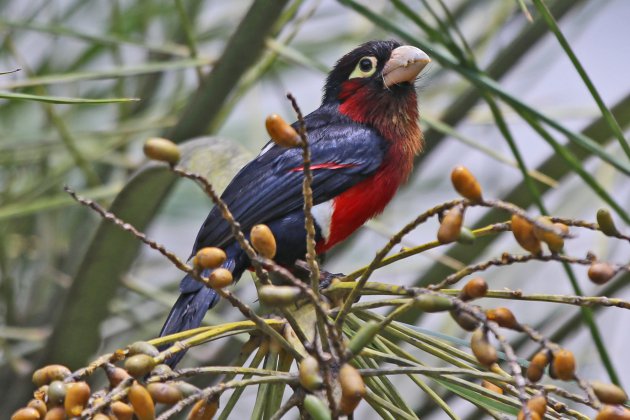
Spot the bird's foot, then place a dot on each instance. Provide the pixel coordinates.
(302, 271)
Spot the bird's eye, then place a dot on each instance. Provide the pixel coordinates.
(365, 68)
(365, 65)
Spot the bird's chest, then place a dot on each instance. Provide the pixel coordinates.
(341, 216)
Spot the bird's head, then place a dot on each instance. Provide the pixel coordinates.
(374, 84)
(375, 66)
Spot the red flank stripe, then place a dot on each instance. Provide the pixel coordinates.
(325, 166)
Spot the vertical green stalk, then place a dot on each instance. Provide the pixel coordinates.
(260, 410)
(236, 395)
(285, 360)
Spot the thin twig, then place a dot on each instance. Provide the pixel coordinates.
(130, 228)
(587, 225)
(518, 294)
(293, 401)
(508, 259)
(115, 394)
(307, 192)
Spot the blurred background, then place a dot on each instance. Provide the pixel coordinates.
(502, 89)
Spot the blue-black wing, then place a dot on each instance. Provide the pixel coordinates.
(343, 153)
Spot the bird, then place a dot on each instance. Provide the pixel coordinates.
(363, 140)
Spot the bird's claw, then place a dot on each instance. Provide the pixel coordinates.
(303, 272)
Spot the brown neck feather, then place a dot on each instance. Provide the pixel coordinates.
(395, 116)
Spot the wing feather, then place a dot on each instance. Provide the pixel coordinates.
(270, 186)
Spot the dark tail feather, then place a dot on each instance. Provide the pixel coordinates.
(187, 313)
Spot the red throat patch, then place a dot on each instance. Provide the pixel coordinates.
(395, 117)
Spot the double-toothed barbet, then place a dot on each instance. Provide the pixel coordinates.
(363, 140)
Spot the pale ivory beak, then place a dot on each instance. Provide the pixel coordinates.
(404, 65)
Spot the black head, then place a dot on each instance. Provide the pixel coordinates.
(375, 65)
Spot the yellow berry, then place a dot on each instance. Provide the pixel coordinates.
(164, 150)
(309, 373)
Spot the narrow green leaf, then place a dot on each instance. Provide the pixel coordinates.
(61, 99)
(114, 72)
(480, 396)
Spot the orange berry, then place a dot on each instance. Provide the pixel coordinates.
(504, 317)
(485, 352)
(491, 387)
(77, 395)
(121, 410)
(451, 226)
(466, 184)
(600, 272)
(538, 404)
(220, 278)
(116, 375)
(613, 412)
(474, 289)
(523, 232)
(609, 393)
(38, 405)
(203, 410)
(553, 240)
(563, 365)
(281, 132)
(209, 257)
(26, 413)
(263, 241)
(57, 413)
(141, 401)
(352, 388)
(47, 374)
(164, 393)
(536, 367)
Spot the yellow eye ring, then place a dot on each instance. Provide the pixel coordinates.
(365, 67)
